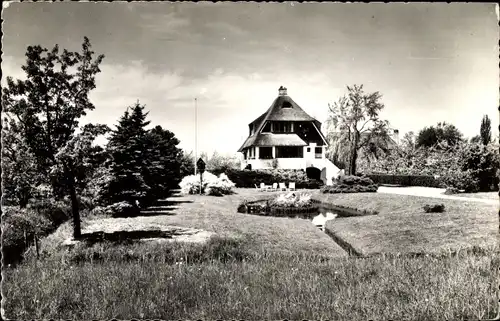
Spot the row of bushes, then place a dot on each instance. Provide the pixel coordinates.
(351, 184)
(250, 178)
(406, 180)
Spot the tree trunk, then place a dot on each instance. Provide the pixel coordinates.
(354, 155)
(77, 233)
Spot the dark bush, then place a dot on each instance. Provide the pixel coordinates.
(436, 208)
(341, 188)
(19, 229)
(57, 212)
(122, 209)
(355, 180)
(250, 178)
(351, 184)
(451, 191)
(242, 208)
(406, 180)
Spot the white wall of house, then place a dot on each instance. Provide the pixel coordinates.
(328, 169)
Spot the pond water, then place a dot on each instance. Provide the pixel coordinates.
(318, 214)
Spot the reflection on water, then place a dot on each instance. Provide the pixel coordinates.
(321, 219)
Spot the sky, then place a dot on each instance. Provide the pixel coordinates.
(431, 62)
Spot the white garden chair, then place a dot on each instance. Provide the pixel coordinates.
(291, 186)
(275, 187)
(263, 187)
(282, 187)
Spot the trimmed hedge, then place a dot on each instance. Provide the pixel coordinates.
(406, 180)
(351, 184)
(249, 178)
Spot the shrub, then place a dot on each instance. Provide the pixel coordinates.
(451, 191)
(211, 184)
(351, 184)
(57, 212)
(249, 178)
(436, 208)
(19, 229)
(243, 208)
(122, 209)
(220, 186)
(406, 180)
(349, 189)
(461, 180)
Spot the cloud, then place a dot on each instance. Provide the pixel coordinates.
(166, 25)
(227, 101)
(226, 29)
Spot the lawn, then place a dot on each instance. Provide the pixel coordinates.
(481, 195)
(219, 215)
(268, 268)
(403, 227)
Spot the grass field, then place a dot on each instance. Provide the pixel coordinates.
(275, 286)
(403, 226)
(218, 214)
(482, 195)
(269, 268)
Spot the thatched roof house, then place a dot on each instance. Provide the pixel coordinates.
(288, 136)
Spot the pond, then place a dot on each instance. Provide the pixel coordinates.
(318, 213)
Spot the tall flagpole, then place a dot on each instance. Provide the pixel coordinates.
(195, 134)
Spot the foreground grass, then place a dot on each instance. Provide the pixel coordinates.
(124, 282)
(403, 227)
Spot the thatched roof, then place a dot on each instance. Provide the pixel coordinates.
(270, 139)
(276, 112)
(283, 108)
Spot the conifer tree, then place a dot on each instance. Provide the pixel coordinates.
(128, 158)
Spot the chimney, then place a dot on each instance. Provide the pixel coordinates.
(282, 91)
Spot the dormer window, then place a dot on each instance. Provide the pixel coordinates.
(286, 104)
(267, 128)
(282, 127)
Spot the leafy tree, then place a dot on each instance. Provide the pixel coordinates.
(354, 123)
(485, 130)
(217, 163)
(20, 177)
(49, 104)
(441, 136)
(476, 139)
(80, 157)
(127, 162)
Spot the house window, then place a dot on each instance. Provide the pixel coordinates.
(308, 149)
(318, 152)
(282, 127)
(289, 152)
(265, 153)
(251, 153)
(267, 128)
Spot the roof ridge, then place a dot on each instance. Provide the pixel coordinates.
(265, 118)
